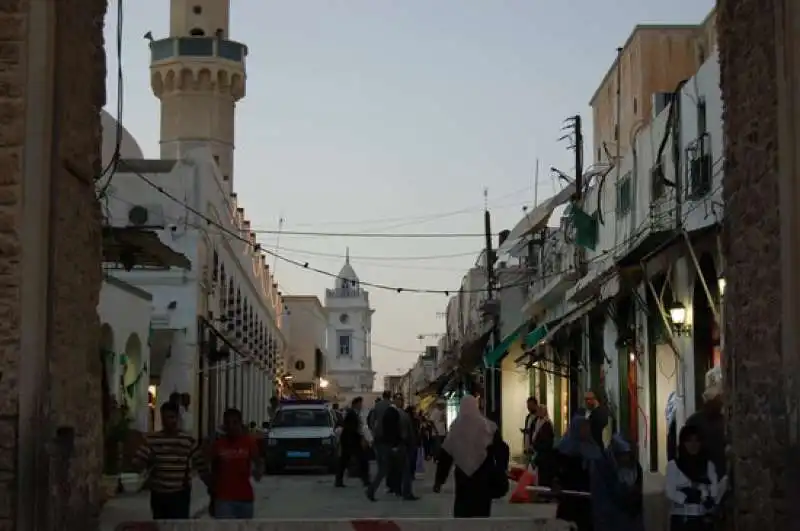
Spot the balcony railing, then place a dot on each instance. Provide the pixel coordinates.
(172, 47)
(345, 292)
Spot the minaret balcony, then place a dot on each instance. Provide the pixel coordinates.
(195, 47)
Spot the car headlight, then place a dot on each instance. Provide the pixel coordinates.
(272, 441)
(328, 441)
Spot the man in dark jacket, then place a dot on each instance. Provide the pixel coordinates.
(352, 444)
(390, 449)
(598, 417)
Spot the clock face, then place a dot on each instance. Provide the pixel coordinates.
(344, 318)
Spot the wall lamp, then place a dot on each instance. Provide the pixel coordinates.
(721, 285)
(677, 316)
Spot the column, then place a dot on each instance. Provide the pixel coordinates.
(758, 40)
(248, 390)
(239, 371)
(230, 379)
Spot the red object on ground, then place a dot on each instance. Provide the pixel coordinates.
(515, 473)
(521, 494)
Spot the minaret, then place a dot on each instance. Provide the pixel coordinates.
(199, 75)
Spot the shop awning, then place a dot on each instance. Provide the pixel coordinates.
(537, 219)
(134, 247)
(436, 387)
(496, 354)
(545, 333)
(538, 334)
(472, 351)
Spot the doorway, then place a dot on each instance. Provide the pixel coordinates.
(706, 329)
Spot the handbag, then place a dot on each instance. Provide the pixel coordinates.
(499, 458)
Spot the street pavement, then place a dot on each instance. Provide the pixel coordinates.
(314, 496)
(303, 496)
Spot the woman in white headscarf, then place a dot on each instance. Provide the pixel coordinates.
(480, 456)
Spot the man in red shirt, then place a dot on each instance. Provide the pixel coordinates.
(234, 457)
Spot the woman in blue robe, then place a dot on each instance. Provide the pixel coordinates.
(616, 487)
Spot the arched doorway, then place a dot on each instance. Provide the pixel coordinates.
(706, 330)
(132, 375)
(662, 368)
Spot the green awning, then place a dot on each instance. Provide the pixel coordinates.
(537, 335)
(497, 353)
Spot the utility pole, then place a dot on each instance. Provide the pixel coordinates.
(575, 125)
(492, 376)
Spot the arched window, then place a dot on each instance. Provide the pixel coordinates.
(197, 32)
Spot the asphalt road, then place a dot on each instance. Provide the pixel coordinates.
(314, 496)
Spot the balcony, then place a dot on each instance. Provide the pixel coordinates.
(345, 293)
(176, 47)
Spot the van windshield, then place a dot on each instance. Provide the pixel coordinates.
(301, 418)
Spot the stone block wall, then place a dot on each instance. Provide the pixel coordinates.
(754, 360)
(63, 494)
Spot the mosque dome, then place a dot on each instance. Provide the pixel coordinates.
(129, 148)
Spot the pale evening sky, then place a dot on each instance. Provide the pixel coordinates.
(386, 115)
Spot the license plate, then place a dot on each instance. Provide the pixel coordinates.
(298, 454)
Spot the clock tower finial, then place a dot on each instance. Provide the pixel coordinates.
(347, 255)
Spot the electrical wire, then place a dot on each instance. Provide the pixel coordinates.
(356, 338)
(372, 234)
(305, 265)
(111, 169)
(405, 221)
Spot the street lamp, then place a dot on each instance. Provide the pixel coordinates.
(323, 383)
(721, 284)
(677, 315)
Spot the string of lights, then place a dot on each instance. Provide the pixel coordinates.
(224, 231)
(305, 265)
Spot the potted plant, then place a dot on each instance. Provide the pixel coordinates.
(116, 430)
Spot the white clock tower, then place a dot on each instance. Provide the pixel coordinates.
(349, 332)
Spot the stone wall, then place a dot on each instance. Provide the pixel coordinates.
(753, 343)
(69, 406)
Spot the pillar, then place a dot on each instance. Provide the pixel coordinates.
(759, 54)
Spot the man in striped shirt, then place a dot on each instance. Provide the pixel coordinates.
(171, 457)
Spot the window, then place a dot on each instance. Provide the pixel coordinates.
(345, 343)
(197, 32)
(624, 195)
(197, 10)
(699, 168)
(216, 159)
(302, 418)
(226, 178)
(599, 154)
(702, 127)
(657, 183)
(635, 106)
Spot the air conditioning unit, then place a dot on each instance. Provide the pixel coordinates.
(146, 216)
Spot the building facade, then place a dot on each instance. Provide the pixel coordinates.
(125, 313)
(216, 332)
(305, 327)
(349, 359)
(627, 300)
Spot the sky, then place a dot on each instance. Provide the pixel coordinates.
(394, 116)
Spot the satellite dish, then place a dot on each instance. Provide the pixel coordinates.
(138, 215)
